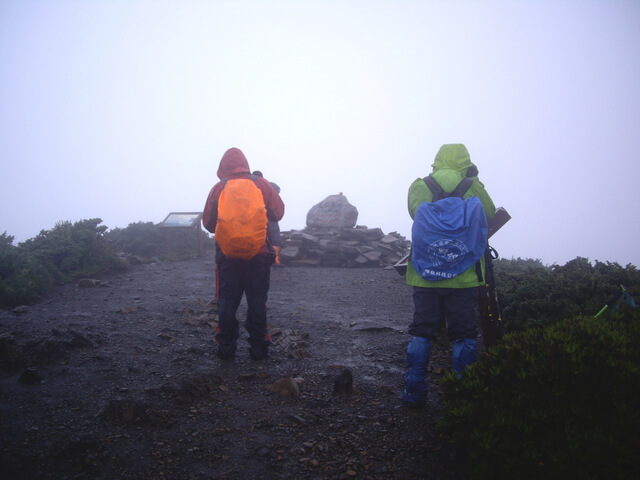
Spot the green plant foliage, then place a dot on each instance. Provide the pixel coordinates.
(553, 403)
(142, 238)
(8, 255)
(22, 277)
(149, 240)
(533, 295)
(85, 248)
(66, 252)
(72, 250)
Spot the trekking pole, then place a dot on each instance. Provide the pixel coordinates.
(612, 301)
(490, 314)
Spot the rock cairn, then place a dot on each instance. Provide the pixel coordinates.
(332, 239)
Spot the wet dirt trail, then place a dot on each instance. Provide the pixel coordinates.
(120, 381)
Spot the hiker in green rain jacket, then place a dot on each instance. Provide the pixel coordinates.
(454, 298)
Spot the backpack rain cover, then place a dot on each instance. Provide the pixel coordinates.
(241, 230)
(448, 237)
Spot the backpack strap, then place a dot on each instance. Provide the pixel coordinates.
(439, 193)
(436, 189)
(250, 177)
(462, 188)
(459, 191)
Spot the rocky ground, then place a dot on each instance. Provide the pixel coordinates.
(119, 381)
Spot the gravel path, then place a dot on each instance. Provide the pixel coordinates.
(119, 381)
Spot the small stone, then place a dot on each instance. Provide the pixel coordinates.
(343, 383)
(287, 387)
(30, 375)
(298, 419)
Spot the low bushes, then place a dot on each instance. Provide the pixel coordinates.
(553, 403)
(533, 295)
(149, 240)
(22, 277)
(83, 249)
(66, 252)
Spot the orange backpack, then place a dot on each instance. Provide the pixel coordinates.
(241, 230)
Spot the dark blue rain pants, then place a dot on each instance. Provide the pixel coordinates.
(236, 278)
(432, 306)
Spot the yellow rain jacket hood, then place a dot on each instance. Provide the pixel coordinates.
(454, 156)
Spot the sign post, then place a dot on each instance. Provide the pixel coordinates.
(183, 220)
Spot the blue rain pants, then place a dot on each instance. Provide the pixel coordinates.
(415, 380)
(464, 353)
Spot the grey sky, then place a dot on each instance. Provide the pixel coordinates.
(122, 110)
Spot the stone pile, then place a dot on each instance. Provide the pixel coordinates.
(342, 247)
(332, 239)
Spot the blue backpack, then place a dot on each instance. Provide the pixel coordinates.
(449, 234)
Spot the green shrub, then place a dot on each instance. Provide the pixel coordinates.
(533, 295)
(143, 239)
(23, 278)
(149, 240)
(85, 248)
(553, 403)
(70, 251)
(66, 252)
(8, 255)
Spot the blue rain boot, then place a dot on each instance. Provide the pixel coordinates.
(415, 380)
(464, 353)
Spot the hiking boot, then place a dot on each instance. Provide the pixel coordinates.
(226, 352)
(260, 354)
(222, 356)
(415, 405)
(412, 402)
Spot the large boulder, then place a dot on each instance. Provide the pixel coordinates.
(333, 211)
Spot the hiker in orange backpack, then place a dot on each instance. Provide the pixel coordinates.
(236, 212)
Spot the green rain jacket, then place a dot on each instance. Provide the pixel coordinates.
(449, 168)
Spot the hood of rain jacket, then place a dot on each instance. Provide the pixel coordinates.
(454, 156)
(233, 162)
